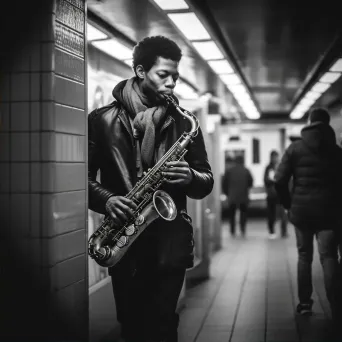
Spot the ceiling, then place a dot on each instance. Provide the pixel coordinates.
(278, 46)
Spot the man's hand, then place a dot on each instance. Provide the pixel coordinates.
(178, 172)
(120, 209)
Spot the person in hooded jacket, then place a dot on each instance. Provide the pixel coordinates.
(237, 182)
(274, 209)
(314, 204)
(126, 138)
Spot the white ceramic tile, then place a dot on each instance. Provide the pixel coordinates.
(69, 93)
(20, 146)
(20, 87)
(36, 177)
(48, 177)
(47, 79)
(34, 86)
(70, 176)
(20, 116)
(48, 143)
(35, 116)
(20, 177)
(35, 146)
(48, 116)
(63, 212)
(70, 148)
(70, 120)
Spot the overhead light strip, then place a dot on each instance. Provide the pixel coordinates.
(95, 34)
(189, 25)
(113, 48)
(317, 90)
(192, 28)
(169, 5)
(208, 50)
(221, 67)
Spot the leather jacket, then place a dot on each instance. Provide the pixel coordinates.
(112, 150)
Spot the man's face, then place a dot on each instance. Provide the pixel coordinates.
(160, 79)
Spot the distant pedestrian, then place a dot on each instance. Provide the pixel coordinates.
(315, 164)
(237, 182)
(274, 208)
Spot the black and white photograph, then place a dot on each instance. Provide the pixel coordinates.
(171, 171)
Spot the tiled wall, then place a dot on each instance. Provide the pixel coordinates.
(43, 197)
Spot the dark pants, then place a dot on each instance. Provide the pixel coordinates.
(274, 210)
(146, 298)
(243, 207)
(327, 249)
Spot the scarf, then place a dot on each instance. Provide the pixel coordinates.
(146, 121)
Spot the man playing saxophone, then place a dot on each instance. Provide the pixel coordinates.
(126, 139)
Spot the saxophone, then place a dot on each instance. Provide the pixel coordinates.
(109, 243)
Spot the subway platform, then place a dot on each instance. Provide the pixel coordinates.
(251, 295)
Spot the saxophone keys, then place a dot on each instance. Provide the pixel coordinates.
(139, 220)
(122, 241)
(130, 230)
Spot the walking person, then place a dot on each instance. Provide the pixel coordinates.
(274, 208)
(314, 204)
(236, 185)
(126, 139)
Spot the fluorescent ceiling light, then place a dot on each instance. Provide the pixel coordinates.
(189, 25)
(221, 67)
(337, 66)
(330, 77)
(171, 4)
(307, 102)
(114, 49)
(320, 87)
(237, 89)
(208, 50)
(252, 114)
(248, 106)
(230, 79)
(312, 95)
(297, 114)
(93, 33)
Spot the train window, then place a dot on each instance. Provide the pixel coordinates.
(256, 150)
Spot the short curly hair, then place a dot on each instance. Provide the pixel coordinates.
(147, 51)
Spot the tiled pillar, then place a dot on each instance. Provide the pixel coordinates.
(43, 186)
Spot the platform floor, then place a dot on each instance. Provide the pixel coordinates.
(251, 295)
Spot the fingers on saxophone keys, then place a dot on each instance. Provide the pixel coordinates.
(129, 203)
(121, 216)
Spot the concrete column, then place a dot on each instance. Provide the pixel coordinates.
(43, 184)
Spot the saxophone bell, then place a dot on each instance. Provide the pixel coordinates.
(164, 205)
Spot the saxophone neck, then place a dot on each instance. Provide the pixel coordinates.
(188, 115)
